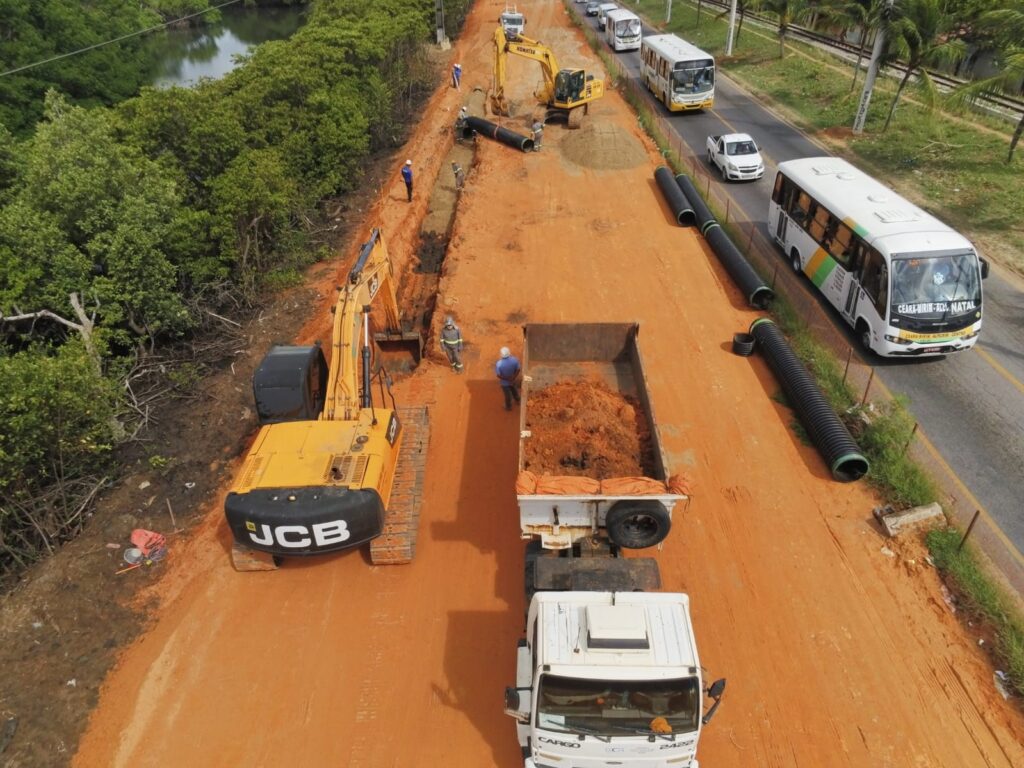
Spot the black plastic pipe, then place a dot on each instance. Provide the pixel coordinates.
(758, 294)
(674, 196)
(704, 218)
(829, 434)
(496, 132)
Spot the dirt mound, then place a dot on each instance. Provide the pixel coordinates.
(583, 428)
(603, 146)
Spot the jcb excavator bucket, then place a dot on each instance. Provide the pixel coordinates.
(400, 351)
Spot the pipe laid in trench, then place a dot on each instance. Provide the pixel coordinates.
(496, 132)
(829, 434)
(674, 196)
(703, 214)
(758, 294)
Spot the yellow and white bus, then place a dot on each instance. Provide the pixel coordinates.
(681, 75)
(909, 284)
(622, 30)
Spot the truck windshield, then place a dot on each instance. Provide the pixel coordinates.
(693, 77)
(613, 708)
(929, 287)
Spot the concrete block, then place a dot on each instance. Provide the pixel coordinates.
(895, 522)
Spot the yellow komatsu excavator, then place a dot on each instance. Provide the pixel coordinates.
(330, 469)
(565, 92)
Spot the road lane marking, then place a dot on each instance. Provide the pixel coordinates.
(999, 368)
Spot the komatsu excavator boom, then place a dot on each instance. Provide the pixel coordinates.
(330, 469)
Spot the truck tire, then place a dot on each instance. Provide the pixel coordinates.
(634, 524)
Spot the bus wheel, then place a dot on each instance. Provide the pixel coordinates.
(794, 259)
(864, 332)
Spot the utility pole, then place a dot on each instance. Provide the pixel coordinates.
(732, 26)
(668, 11)
(869, 78)
(439, 22)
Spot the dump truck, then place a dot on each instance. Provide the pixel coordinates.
(607, 671)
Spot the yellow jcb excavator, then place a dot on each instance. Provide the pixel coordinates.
(568, 92)
(330, 469)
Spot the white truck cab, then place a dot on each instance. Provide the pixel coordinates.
(609, 679)
(736, 156)
(602, 12)
(512, 21)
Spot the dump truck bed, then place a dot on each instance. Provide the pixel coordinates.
(608, 353)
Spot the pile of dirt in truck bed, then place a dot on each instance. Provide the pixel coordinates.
(583, 428)
(602, 146)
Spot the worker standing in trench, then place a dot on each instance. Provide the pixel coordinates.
(451, 343)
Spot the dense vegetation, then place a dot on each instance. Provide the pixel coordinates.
(122, 228)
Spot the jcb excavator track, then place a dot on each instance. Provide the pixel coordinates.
(397, 544)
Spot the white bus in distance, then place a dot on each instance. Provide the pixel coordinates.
(622, 30)
(681, 75)
(909, 284)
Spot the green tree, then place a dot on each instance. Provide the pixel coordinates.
(788, 13)
(923, 34)
(1006, 25)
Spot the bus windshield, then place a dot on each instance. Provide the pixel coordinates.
(627, 28)
(932, 287)
(693, 77)
(615, 707)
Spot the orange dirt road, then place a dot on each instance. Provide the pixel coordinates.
(837, 654)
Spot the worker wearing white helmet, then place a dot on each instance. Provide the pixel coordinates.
(451, 343)
(507, 370)
(407, 178)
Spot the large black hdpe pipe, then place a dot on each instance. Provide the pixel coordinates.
(674, 196)
(704, 218)
(496, 132)
(758, 294)
(830, 435)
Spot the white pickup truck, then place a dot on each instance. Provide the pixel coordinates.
(736, 156)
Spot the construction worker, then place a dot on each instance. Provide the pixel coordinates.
(460, 123)
(407, 178)
(457, 76)
(507, 370)
(451, 343)
(538, 134)
(460, 176)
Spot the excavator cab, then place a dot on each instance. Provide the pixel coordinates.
(569, 85)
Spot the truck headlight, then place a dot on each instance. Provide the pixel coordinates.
(898, 340)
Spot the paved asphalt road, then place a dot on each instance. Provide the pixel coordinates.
(969, 406)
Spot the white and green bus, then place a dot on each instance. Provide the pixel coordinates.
(909, 284)
(681, 75)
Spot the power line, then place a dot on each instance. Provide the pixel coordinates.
(115, 40)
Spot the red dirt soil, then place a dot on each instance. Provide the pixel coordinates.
(582, 428)
(838, 653)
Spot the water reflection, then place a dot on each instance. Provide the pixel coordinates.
(183, 56)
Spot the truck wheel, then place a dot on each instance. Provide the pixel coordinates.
(637, 524)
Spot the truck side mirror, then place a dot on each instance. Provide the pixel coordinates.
(517, 703)
(715, 691)
(984, 267)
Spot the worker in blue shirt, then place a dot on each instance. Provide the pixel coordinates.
(457, 77)
(407, 178)
(507, 370)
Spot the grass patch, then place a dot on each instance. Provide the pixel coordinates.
(979, 596)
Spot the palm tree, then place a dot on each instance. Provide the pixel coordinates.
(865, 15)
(1007, 24)
(788, 12)
(923, 34)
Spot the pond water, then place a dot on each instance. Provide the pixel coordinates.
(183, 56)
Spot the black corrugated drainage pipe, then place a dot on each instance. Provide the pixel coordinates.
(496, 132)
(704, 218)
(758, 294)
(829, 434)
(674, 196)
